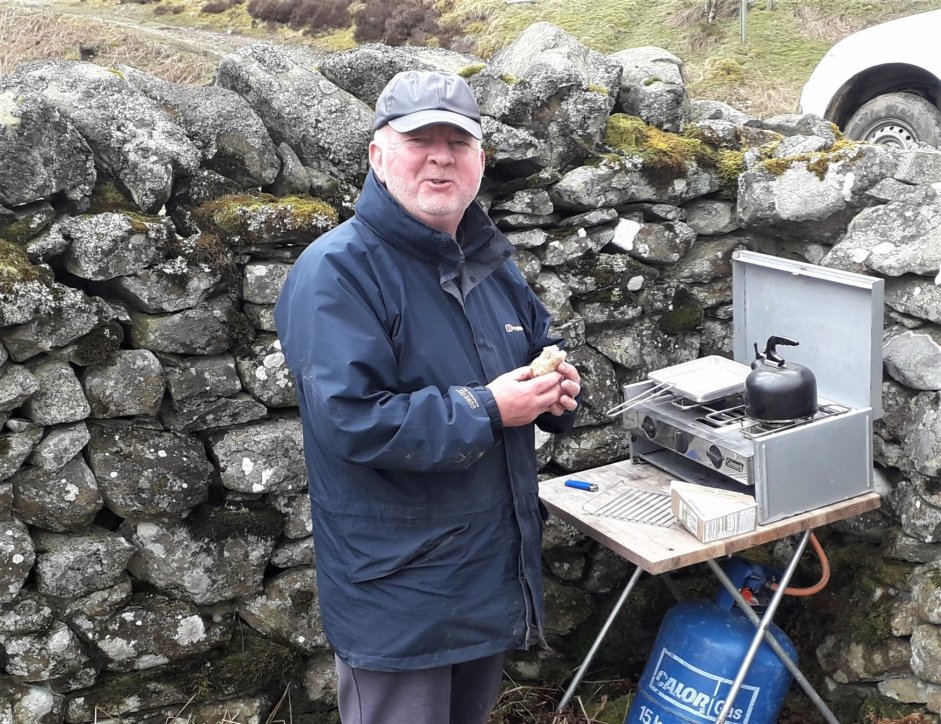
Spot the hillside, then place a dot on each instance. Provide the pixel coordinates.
(182, 39)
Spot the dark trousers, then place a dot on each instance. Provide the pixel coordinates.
(457, 694)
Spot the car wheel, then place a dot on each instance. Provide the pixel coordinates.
(901, 120)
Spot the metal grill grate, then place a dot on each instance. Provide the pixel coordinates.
(637, 505)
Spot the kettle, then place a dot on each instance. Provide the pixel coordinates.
(777, 391)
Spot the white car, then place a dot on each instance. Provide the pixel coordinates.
(883, 84)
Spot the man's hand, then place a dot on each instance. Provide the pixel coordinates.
(570, 385)
(522, 398)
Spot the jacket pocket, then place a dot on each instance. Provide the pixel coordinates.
(374, 550)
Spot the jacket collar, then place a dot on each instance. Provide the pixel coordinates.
(389, 221)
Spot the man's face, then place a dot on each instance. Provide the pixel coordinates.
(434, 172)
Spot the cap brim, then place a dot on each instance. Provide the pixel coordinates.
(404, 124)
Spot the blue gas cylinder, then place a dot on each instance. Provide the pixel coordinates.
(696, 657)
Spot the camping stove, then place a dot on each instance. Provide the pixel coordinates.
(790, 466)
(690, 419)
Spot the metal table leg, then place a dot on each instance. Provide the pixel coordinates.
(762, 633)
(583, 668)
(775, 646)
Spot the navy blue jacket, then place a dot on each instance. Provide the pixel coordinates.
(427, 525)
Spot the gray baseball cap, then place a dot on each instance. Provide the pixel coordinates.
(416, 98)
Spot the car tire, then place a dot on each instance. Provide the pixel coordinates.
(902, 120)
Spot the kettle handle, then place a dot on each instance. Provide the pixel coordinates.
(771, 353)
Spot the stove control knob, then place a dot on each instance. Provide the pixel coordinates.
(649, 427)
(715, 456)
(681, 441)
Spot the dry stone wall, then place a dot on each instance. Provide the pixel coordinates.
(155, 550)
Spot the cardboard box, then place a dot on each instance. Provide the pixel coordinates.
(712, 514)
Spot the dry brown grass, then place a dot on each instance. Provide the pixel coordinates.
(29, 35)
(818, 24)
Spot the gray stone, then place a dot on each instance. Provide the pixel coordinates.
(652, 87)
(642, 345)
(894, 239)
(17, 557)
(60, 315)
(17, 384)
(59, 500)
(151, 631)
(106, 245)
(26, 613)
(209, 328)
(565, 246)
(59, 398)
(363, 71)
(223, 412)
(913, 357)
(709, 259)
(262, 281)
(293, 553)
(915, 296)
(284, 611)
(296, 512)
(919, 166)
(708, 110)
(43, 655)
(43, 153)
(805, 200)
(925, 658)
(130, 383)
(265, 374)
(200, 379)
(847, 661)
(513, 152)
(132, 136)
(17, 446)
(226, 559)
(587, 446)
(528, 239)
(72, 566)
(231, 138)
(144, 473)
(59, 445)
(797, 124)
(293, 178)
(328, 128)
(532, 201)
(599, 385)
(170, 286)
(626, 180)
(266, 457)
(563, 91)
(261, 316)
(711, 217)
(664, 243)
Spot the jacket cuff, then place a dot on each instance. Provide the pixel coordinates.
(490, 405)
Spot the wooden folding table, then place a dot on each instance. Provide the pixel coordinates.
(660, 549)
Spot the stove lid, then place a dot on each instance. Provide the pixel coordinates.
(835, 315)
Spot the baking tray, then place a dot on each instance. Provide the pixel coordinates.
(704, 379)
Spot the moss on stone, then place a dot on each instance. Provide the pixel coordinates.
(108, 197)
(15, 267)
(686, 315)
(21, 230)
(260, 217)
(599, 89)
(666, 156)
(469, 71)
(817, 162)
(206, 250)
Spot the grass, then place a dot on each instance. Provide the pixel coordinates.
(29, 35)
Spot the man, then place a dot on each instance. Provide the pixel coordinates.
(409, 332)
